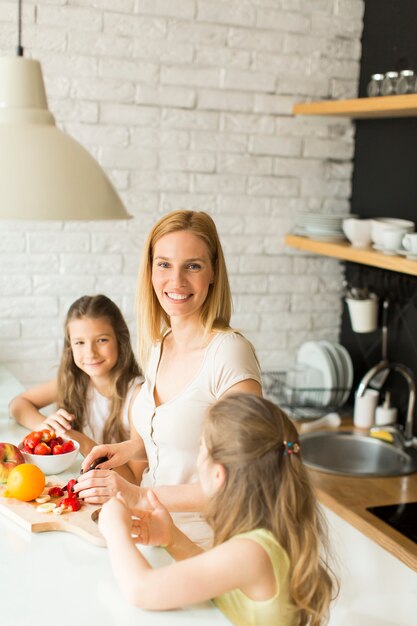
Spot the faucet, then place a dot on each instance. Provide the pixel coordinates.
(407, 436)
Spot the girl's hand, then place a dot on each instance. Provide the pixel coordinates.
(114, 515)
(98, 486)
(60, 422)
(117, 453)
(154, 527)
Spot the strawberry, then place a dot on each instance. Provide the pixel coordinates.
(56, 492)
(74, 504)
(32, 439)
(47, 435)
(42, 448)
(70, 487)
(71, 503)
(27, 449)
(68, 446)
(58, 449)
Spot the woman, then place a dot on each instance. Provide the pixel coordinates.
(191, 358)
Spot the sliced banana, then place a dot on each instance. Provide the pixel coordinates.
(58, 510)
(46, 507)
(43, 499)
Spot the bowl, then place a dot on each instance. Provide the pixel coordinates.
(389, 223)
(52, 463)
(358, 231)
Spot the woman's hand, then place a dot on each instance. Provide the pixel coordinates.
(117, 453)
(59, 422)
(154, 527)
(114, 515)
(98, 486)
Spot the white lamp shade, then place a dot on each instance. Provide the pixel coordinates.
(44, 173)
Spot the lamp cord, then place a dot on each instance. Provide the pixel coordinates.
(19, 48)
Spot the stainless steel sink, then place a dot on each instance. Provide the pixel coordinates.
(344, 452)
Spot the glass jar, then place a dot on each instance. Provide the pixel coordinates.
(389, 84)
(374, 86)
(406, 82)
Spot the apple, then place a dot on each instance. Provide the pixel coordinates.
(10, 456)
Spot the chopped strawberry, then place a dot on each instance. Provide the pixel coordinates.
(74, 504)
(58, 449)
(27, 449)
(42, 448)
(70, 486)
(71, 503)
(56, 492)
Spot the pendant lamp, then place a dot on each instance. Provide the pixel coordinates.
(44, 173)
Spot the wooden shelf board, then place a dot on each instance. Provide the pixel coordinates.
(345, 252)
(384, 106)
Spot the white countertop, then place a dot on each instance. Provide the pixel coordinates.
(58, 578)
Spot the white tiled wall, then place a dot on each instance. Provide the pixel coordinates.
(187, 104)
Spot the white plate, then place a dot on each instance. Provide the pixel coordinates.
(406, 253)
(319, 230)
(304, 233)
(340, 371)
(348, 371)
(386, 251)
(310, 218)
(313, 355)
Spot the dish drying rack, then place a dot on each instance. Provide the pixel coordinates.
(302, 402)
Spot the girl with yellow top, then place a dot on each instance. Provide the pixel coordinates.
(267, 566)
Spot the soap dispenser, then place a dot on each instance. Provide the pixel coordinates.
(385, 413)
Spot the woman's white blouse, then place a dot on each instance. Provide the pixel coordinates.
(171, 432)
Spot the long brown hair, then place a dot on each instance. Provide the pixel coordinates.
(217, 309)
(73, 383)
(266, 487)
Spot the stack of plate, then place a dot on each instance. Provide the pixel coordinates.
(320, 227)
(333, 369)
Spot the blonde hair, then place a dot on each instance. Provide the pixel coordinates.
(266, 487)
(73, 383)
(217, 309)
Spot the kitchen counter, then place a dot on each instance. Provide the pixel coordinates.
(349, 497)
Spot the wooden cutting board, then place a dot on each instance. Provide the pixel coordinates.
(80, 522)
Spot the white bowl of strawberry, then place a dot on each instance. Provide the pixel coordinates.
(52, 454)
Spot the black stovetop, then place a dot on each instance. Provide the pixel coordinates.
(402, 517)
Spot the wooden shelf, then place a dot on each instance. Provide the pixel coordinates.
(345, 252)
(383, 106)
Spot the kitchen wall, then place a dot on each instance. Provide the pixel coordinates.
(187, 103)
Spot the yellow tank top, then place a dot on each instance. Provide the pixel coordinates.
(278, 610)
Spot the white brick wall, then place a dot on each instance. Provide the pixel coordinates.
(187, 104)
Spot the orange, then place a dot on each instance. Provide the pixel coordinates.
(25, 482)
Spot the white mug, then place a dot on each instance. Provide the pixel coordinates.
(392, 238)
(410, 242)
